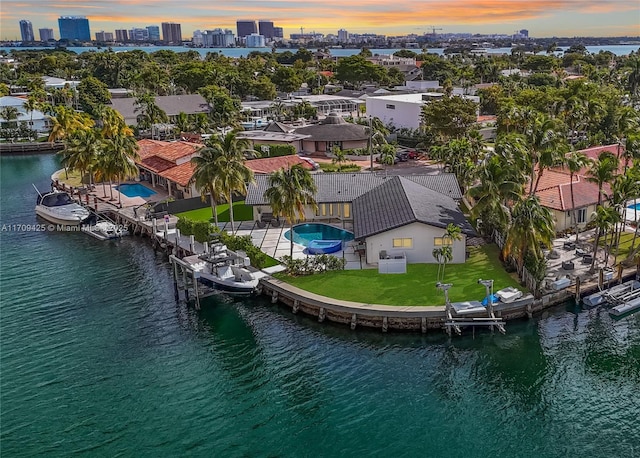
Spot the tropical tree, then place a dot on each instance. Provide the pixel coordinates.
(232, 173)
(290, 190)
(9, 115)
(531, 227)
(603, 171)
(149, 112)
(543, 138)
(339, 157)
(67, 121)
(604, 219)
(81, 151)
(31, 105)
(121, 154)
(575, 161)
(444, 253)
(206, 177)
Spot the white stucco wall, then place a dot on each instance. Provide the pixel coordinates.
(422, 235)
(564, 220)
(405, 113)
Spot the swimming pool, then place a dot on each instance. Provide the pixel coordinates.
(306, 233)
(135, 190)
(635, 207)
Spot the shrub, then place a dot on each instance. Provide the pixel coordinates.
(336, 168)
(276, 150)
(185, 225)
(201, 230)
(312, 264)
(258, 259)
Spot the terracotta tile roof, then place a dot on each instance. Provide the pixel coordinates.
(171, 151)
(180, 174)
(554, 191)
(156, 164)
(148, 148)
(271, 164)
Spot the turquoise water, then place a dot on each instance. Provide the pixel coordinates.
(634, 207)
(97, 359)
(303, 234)
(135, 190)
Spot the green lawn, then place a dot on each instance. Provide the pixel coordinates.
(241, 212)
(416, 287)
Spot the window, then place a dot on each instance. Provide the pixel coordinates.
(440, 241)
(581, 215)
(391, 107)
(346, 211)
(402, 243)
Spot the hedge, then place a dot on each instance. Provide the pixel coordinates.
(276, 150)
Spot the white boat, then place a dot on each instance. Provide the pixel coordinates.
(59, 208)
(627, 307)
(105, 230)
(225, 270)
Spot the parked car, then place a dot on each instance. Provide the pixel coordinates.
(402, 156)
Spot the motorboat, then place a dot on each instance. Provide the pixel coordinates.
(105, 230)
(225, 270)
(59, 208)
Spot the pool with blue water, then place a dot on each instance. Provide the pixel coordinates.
(303, 234)
(135, 190)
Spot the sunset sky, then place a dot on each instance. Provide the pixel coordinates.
(543, 18)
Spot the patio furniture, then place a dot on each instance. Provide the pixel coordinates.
(553, 254)
(587, 258)
(567, 265)
(569, 245)
(580, 252)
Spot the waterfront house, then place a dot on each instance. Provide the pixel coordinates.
(554, 191)
(36, 119)
(402, 216)
(168, 165)
(389, 214)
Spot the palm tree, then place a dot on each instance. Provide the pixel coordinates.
(604, 218)
(233, 174)
(122, 153)
(81, 152)
(9, 114)
(575, 161)
(531, 226)
(633, 76)
(603, 171)
(543, 138)
(150, 112)
(206, 177)
(67, 121)
(290, 190)
(31, 105)
(339, 157)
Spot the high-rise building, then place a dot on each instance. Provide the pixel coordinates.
(255, 41)
(26, 30)
(74, 28)
(265, 28)
(154, 33)
(246, 28)
(138, 34)
(218, 38)
(46, 34)
(278, 32)
(524, 33)
(343, 36)
(122, 35)
(105, 37)
(171, 32)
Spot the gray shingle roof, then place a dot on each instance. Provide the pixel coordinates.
(334, 132)
(400, 201)
(170, 104)
(345, 187)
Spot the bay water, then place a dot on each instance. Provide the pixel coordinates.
(97, 359)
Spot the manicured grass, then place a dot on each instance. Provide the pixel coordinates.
(70, 178)
(625, 245)
(241, 212)
(270, 262)
(417, 286)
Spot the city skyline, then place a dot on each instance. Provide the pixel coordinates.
(544, 18)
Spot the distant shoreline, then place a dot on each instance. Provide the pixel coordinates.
(619, 50)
